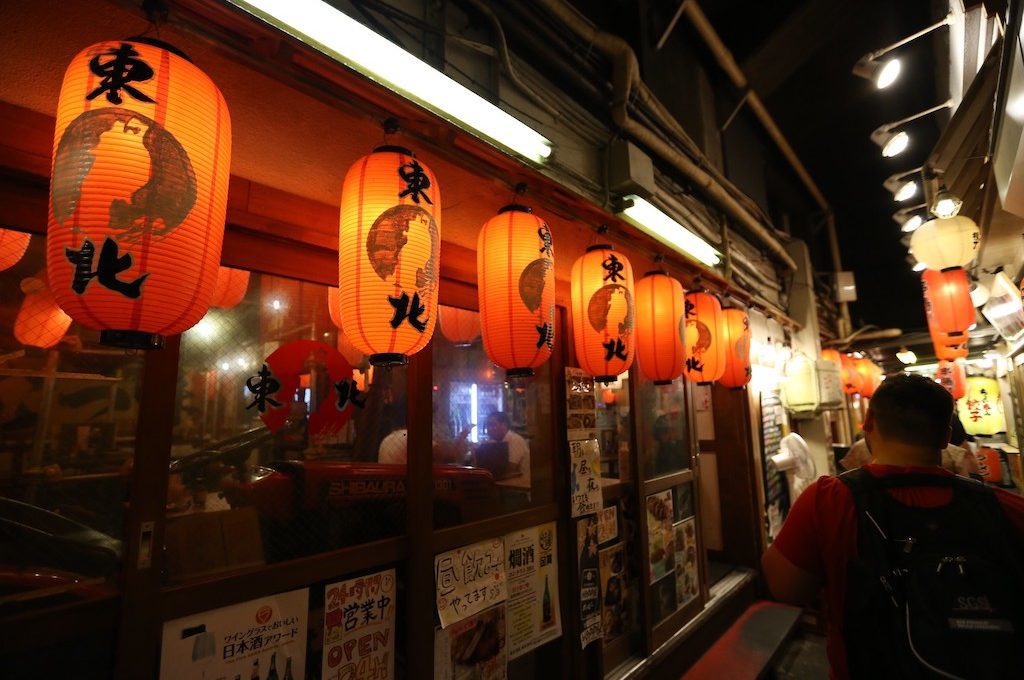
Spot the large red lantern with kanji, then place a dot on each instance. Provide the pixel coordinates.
(516, 278)
(461, 327)
(848, 374)
(603, 312)
(138, 192)
(735, 334)
(389, 250)
(13, 245)
(40, 322)
(950, 375)
(232, 285)
(704, 351)
(660, 302)
(947, 304)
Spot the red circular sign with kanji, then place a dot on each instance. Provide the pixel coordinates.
(305, 377)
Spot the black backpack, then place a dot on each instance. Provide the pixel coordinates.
(933, 592)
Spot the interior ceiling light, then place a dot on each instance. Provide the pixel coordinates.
(884, 73)
(906, 356)
(347, 41)
(946, 204)
(653, 221)
(894, 142)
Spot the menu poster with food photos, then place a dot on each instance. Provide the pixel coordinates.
(660, 549)
(590, 580)
(585, 480)
(473, 648)
(607, 524)
(359, 628)
(470, 579)
(532, 612)
(616, 602)
(581, 405)
(685, 543)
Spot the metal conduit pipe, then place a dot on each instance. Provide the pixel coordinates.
(732, 69)
(625, 81)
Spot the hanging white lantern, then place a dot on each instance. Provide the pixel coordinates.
(800, 391)
(946, 243)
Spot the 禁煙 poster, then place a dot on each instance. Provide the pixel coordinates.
(590, 580)
(359, 628)
(585, 480)
(473, 648)
(260, 638)
(469, 579)
(532, 571)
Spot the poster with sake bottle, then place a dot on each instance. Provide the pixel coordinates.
(532, 613)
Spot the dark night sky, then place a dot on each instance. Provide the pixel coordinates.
(827, 114)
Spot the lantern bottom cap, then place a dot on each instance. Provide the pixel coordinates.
(663, 382)
(605, 378)
(519, 373)
(132, 339)
(389, 359)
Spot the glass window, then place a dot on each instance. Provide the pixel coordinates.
(68, 409)
(492, 438)
(613, 427)
(672, 545)
(278, 430)
(661, 423)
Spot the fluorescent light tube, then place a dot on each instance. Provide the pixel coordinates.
(347, 41)
(650, 220)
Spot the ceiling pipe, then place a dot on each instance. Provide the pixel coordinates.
(725, 59)
(626, 84)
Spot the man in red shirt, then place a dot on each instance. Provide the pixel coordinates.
(906, 428)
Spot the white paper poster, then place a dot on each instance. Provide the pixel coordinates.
(359, 628)
(532, 608)
(585, 482)
(607, 524)
(259, 638)
(469, 579)
(581, 405)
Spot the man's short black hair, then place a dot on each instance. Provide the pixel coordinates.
(914, 410)
(501, 417)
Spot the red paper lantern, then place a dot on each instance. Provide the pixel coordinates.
(13, 245)
(870, 375)
(702, 342)
(461, 327)
(848, 374)
(947, 303)
(660, 303)
(736, 338)
(232, 285)
(833, 356)
(352, 355)
(138, 193)
(949, 352)
(950, 375)
(516, 275)
(603, 312)
(389, 251)
(40, 322)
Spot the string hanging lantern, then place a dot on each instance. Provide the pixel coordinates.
(946, 243)
(461, 327)
(947, 303)
(702, 342)
(232, 285)
(736, 338)
(13, 245)
(389, 248)
(833, 356)
(603, 312)
(869, 374)
(40, 322)
(660, 303)
(949, 352)
(852, 380)
(950, 375)
(516, 277)
(138, 192)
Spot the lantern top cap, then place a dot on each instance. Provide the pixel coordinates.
(655, 272)
(163, 45)
(515, 207)
(600, 246)
(394, 148)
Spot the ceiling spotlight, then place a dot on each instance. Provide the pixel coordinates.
(912, 223)
(895, 142)
(946, 205)
(906, 356)
(906, 191)
(920, 267)
(903, 186)
(882, 73)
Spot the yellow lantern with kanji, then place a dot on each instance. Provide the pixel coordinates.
(950, 374)
(603, 312)
(40, 322)
(13, 245)
(981, 409)
(232, 285)
(735, 334)
(389, 249)
(461, 327)
(704, 349)
(138, 192)
(660, 302)
(516, 278)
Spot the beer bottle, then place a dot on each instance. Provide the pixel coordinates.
(546, 603)
(288, 669)
(272, 673)
(255, 675)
